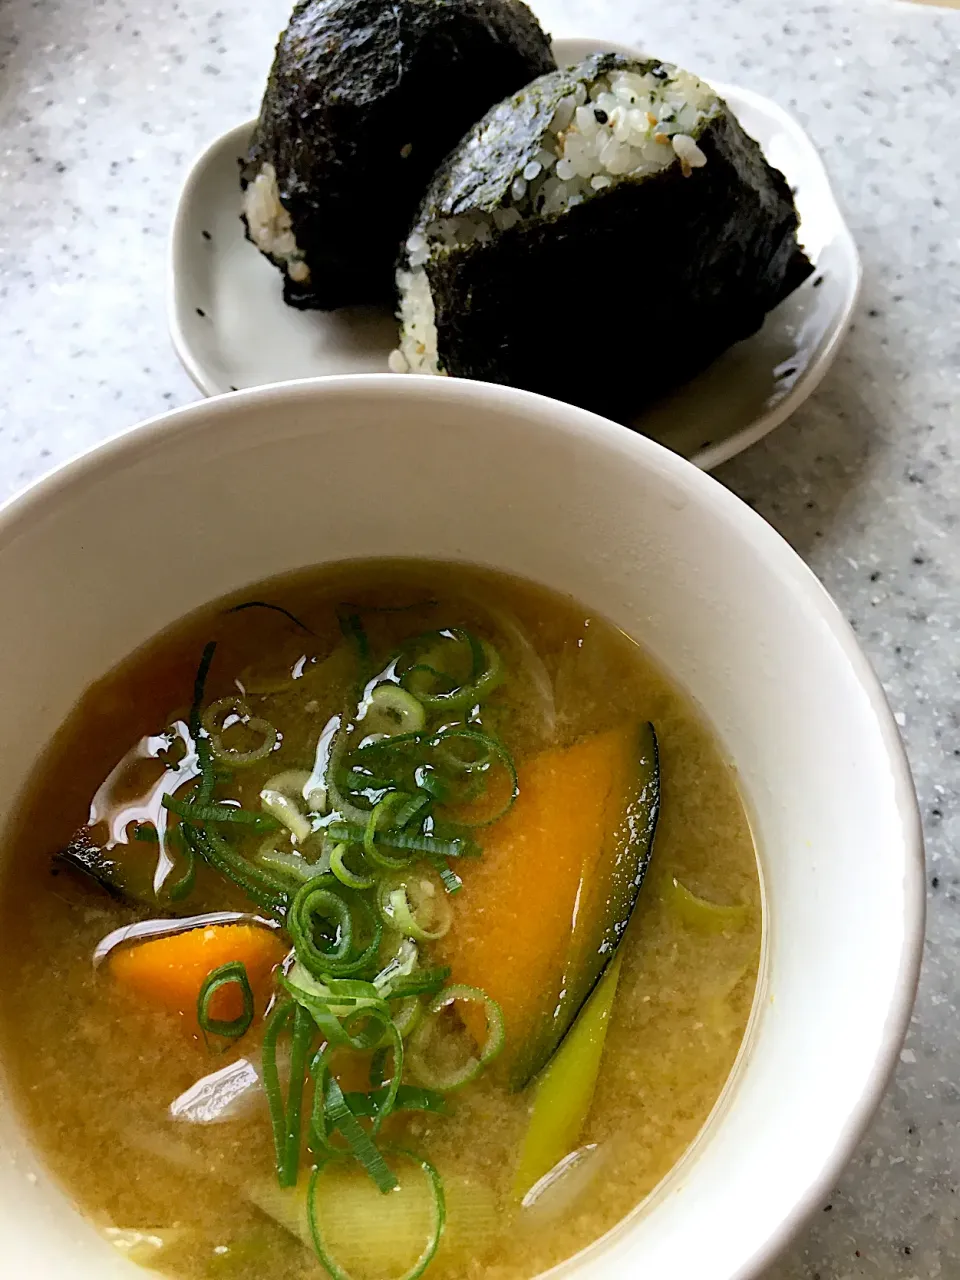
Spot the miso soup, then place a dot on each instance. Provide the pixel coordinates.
(389, 919)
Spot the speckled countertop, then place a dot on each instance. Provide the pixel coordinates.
(104, 102)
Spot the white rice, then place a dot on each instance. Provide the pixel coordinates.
(623, 124)
(270, 227)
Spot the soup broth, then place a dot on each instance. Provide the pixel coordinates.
(104, 1042)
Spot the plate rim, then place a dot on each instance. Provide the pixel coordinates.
(706, 458)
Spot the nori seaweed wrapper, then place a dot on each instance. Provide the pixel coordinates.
(614, 301)
(364, 100)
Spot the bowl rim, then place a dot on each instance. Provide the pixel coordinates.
(31, 502)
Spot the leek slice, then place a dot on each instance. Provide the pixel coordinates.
(699, 913)
(563, 1092)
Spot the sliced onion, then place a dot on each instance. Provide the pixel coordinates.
(558, 1191)
(283, 796)
(221, 1096)
(530, 662)
(294, 864)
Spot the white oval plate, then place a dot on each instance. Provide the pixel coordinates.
(231, 328)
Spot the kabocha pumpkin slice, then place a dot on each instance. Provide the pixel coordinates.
(169, 973)
(540, 915)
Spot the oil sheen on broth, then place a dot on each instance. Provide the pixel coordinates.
(479, 673)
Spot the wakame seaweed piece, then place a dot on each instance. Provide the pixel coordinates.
(601, 285)
(363, 101)
(274, 608)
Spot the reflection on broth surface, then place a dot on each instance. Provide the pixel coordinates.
(438, 786)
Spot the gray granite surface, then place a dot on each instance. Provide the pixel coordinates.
(104, 102)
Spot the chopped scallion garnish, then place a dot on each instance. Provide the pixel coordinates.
(191, 811)
(226, 975)
(446, 1079)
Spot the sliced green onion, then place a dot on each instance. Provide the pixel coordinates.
(377, 1069)
(335, 798)
(303, 1032)
(423, 675)
(319, 1070)
(379, 815)
(352, 879)
(428, 780)
(360, 779)
(392, 710)
(292, 782)
(407, 1014)
(460, 846)
(412, 808)
(423, 678)
(286, 1121)
(451, 881)
(393, 1040)
(336, 1023)
(420, 1043)
(268, 891)
(490, 752)
(312, 901)
(339, 996)
(231, 974)
(271, 1083)
(409, 1098)
(395, 744)
(193, 812)
(212, 721)
(426, 1257)
(375, 1025)
(421, 982)
(182, 887)
(403, 901)
(318, 898)
(362, 1147)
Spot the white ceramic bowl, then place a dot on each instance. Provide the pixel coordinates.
(113, 547)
